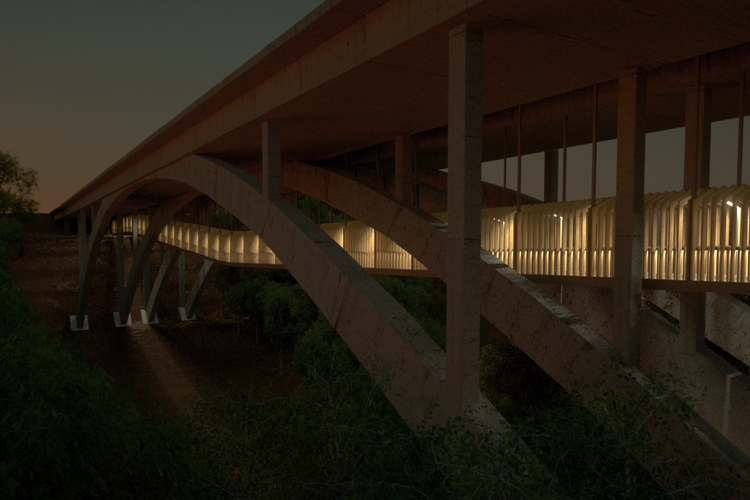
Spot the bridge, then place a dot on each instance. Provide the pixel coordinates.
(363, 104)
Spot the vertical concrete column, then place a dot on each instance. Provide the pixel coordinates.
(692, 337)
(697, 137)
(181, 266)
(696, 176)
(121, 285)
(631, 153)
(271, 160)
(79, 321)
(740, 127)
(550, 175)
(565, 159)
(81, 244)
(93, 216)
(404, 189)
(147, 272)
(464, 211)
(135, 231)
(120, 253)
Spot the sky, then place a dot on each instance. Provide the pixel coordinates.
(84, 82)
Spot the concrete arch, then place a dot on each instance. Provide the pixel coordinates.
(167, 262)
(107, 209)
(558, 341)
(390, 344)
(158, 221)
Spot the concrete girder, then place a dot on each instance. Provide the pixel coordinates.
(188, 312)
(404, 360)
(106, 211)
(168, 260)
(143, 251)
(564, 346)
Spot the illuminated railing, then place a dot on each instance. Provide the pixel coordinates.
(552, 238)
(370, 248)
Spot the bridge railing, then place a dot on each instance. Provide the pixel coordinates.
(709, 235)
(370, 248)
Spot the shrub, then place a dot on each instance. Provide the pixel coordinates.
(11, 240)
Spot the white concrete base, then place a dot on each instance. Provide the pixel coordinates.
(119, 323)
(74, 326)
(144, 318)
(183, 315)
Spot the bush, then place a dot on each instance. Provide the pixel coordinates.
(512, 381)
(11, 240)
(287, 314)
(423, 298)
(320, 352)
(64, 434)
(340, 438)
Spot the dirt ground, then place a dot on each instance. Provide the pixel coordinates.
(169, 361)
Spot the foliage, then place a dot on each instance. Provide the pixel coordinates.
(423, 298)
(512, 381)
(340, 438)
(321, 353)
(219, 218)
(11, 240)
(617, 444)
(287, 313)
(309, 205)
(16, 186)
(64, 433)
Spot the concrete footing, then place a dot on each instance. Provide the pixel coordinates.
(184, 316)
(118, 321)
(74, 325)
(144, 318)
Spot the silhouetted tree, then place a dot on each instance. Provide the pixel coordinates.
(16, 185)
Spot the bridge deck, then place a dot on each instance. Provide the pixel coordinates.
(552, 242)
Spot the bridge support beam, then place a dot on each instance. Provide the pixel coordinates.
(80, 321)
(147, 273)
(697, 173)
(550, 175)
(697, 137)
(141, 267)
(121, 290)
(188, 311)
(181, 291)
(272, 161)
(404, 189)
(167, 262)
(631, 153)
(464, 214)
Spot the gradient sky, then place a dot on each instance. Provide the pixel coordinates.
(84, 82)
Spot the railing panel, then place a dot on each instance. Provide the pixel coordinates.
(551, 238)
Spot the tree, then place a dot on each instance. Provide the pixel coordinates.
(16, 185)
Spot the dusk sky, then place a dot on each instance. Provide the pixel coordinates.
(84, 82)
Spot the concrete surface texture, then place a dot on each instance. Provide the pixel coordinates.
(424, 85)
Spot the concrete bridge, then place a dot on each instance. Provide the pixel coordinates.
(362, 103)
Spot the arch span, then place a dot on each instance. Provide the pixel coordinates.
(558, 341)
(106, 210)
(385, 338)
(156, 224)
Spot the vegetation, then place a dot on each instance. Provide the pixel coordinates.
(16, 185)
(66, 431)
(319, 211)
(63, 431)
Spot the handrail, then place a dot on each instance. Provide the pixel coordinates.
(552, 238)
